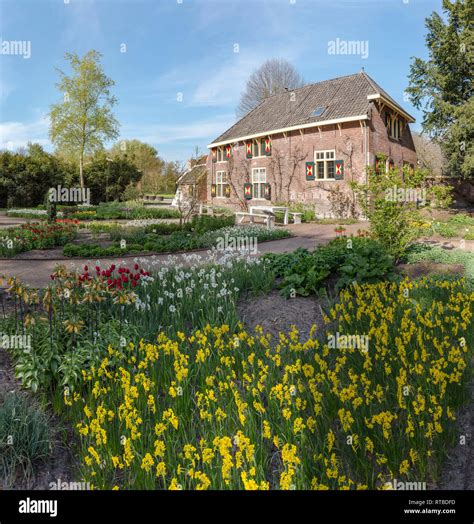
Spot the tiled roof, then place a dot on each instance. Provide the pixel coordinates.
(343, 97)
(193, 175)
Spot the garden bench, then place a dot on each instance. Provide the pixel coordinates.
(297, 217)
(269, 218)
(209, 210)
(271, 209)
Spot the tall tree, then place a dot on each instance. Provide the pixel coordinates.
(442, 85)
(26, 177)
(83, 121)
(108, 178)
(272, 77)
(144, 157)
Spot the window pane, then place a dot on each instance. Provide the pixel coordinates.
(320, 169)
(330, 167)
(259, 175)
(329, 154)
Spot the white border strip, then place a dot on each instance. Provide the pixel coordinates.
(292, 128)
(393, 106)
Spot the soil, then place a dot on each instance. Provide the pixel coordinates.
(276, 313)
(426, 268)
(458, 470)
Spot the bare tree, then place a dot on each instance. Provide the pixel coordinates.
(272, 77)
(233, 177)
(277, 170)
(187, 207)
(283, 169)
(295, 159)
(430, 155)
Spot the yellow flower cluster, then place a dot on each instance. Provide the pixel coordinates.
(229, 409)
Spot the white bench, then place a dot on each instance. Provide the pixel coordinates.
(297, 217)
(269, 219)
(209, 210)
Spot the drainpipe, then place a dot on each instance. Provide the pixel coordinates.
(366, 149)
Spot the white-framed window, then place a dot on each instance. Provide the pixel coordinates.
(220, 154)
(258, 147)
(325, 164)
(221, 183)
(259, 179)
(394, 126)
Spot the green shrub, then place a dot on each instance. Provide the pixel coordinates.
(25, 437)
(360, 260)
(176, 240)
(388, 201)
(366, 263)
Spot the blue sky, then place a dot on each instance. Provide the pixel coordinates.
(188, 47)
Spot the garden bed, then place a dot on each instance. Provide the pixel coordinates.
(163, 358)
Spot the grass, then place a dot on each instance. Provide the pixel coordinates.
(26, 437)
(421, 252)
(459, 225)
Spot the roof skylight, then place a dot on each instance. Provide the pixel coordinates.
(318, 111)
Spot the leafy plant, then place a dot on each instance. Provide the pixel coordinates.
(362, 260)
(387, 201)
(367, 264)
(26, 437)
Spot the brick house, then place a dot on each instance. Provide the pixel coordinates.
(192, 185)
(305, 146)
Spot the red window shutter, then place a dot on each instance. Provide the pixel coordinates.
(214, 155)
(247, 191)
(228, 152)
(268, 146)
(213, 190)
(268, 191)
(227, 191)
(339, 170)
(310, 175)
(249, 149)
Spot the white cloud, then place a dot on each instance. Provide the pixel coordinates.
(17, 134)
(5, 90)
(82, 19)
(223, 87)
(162, 133)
